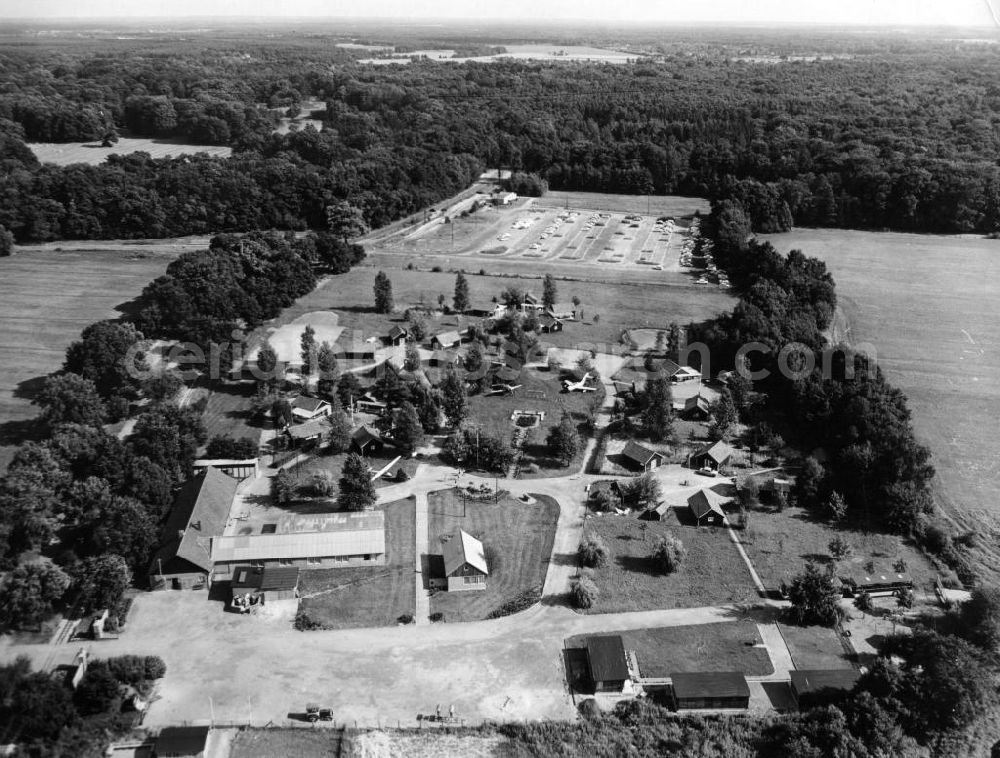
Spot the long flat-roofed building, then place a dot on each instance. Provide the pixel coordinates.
(327, 540)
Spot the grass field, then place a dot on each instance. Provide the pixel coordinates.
(779, 544)
(518, 541)
(541, 391)
(712, 573)
(814, 647)
(703, 647)
(46, 299)
(367, 597)
(930, 306)
(302, 743)
(654, 205)
(65, 153)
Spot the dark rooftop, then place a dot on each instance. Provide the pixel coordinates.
(607, 659)
(709, 684)
(273, 578)
(181, 740)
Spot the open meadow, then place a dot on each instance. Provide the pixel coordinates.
(46, 299)
(929, 305)
(66, 153)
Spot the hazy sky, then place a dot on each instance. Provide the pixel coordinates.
(865, 12)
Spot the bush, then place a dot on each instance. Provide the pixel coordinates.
(668, 553)
(589, 709)
(584, 592)
(405, 618)
(436, 617)
(127, 669)
(592, 552)
(863, 601)
(321, 484)
(520, 602)
(305, 623)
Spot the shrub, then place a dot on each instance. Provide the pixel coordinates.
(589, 709)
(863, 601)
(321, 484)
(904, 597)
(668, 553)
(405, 618)
(436, 617)
(584, 592)
(305, 623)
(520, 602)
(592, 552)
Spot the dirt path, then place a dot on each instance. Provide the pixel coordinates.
(423, 598)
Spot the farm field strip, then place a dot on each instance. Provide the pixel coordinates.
(64, 154)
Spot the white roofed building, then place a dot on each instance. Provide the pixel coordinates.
(325, 540)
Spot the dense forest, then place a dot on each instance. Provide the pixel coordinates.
(888, 138)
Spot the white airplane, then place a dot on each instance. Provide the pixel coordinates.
(504, 389)
(580, 386)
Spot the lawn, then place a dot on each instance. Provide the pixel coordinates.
(227, 410)
(669, 205)
(334, 465)
(518, 541)
(367, 597)
(302, 743)
(916, 295)
(65, 153)
(814, 647)
(779, 544)
(46, 299)
(703, 647)
(541, 390)
(712, 573)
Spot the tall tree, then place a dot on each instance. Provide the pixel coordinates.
(357, 491)
(814, 598)
(724, 417)
(70, 399)
(461, 299)
(563, 440)
(454, 402)
(108, 353)
(673, 341)
(101, 581)
(340, 427)
(309, 351)
(549, 292)
(326, 362)
(658, 410)
(383, 293)
(408, 431)
(267, 364)
(27, 597)
(6, 242)
(345, 220)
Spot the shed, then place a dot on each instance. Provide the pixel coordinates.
(707, 507)
(710, 689)
(265, 582)
(641, 456)
(397, 335)
(506, 374)
(549, 323)
(819, 687)
(200, 511)
(366, 440)
(181, 742)
(465, 567)
(697, 408)
(608, 666)
(878, 582)
(316, 431)
(657, 513)
(685, 374)
(446, 340)
(715, 456)
(607, 492)
(565, 311)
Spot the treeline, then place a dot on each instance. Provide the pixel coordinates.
(901, 139)
(835, 401)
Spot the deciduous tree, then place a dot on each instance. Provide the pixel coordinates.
(383, 294)
(357, 492)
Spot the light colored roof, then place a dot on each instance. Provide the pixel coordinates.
(448, 338)
(687, 371)
(200, 511)
(719, 452)
(463, 548)
(707, 501)
(641, 455)
(345, 534)
(315, 428)
(308, 404)
(560, 308)
(696, 402)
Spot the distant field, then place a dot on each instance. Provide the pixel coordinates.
(930, 305)
(46, 299)
(656, 205)
(65, 153)
(518, 52)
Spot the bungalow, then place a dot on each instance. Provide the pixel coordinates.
(714, 456)
(461, 567)
(200, 512)
(503, 198)
(238, 469)
(549, 323)
(325, 540)
(685, 374)
(707, 507)
(368, 403)
(308, 408)
(529, 302)
(442, 358)
(313, 432)
(657, 513)
(366, 440)
(565, 311)
(446, 340)
(710, 689)
(487, 310)
(608, 665)
(357, 350)
(697, 408)
(640, 456)
(181, 742)
(814, 688)
(397, 335)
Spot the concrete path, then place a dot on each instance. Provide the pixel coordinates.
(746, 558)
(422, 605)
(777, 650)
